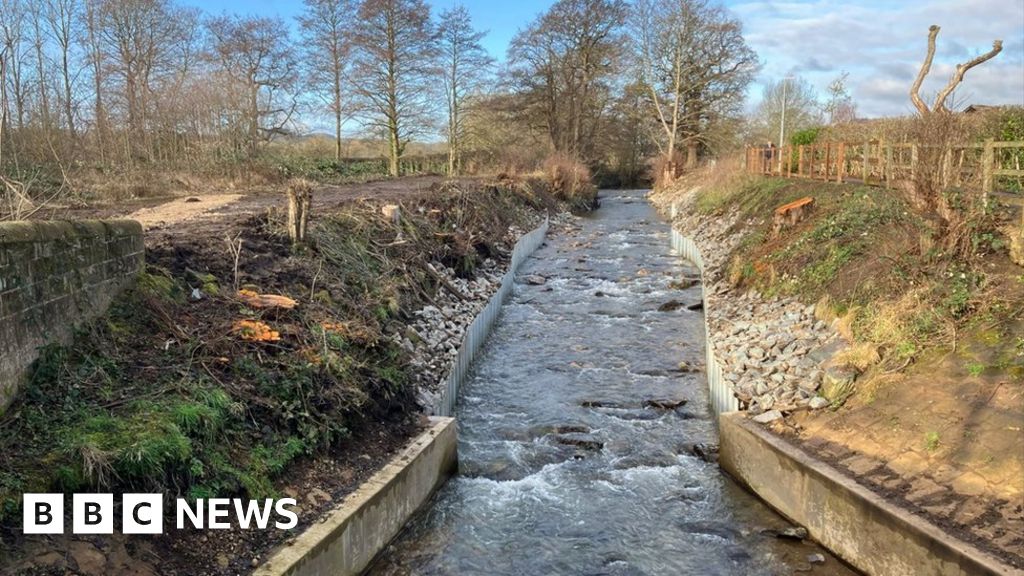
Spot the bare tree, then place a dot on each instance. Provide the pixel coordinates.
(563, 66)
(466, 63)
(61, 16)
(958, 75)
(395, 54)
(787, 106)
(839, 106)
(253, 53)
(326, 28)
(12, 26)
(694, 64)
(94, 57)
(38, 16)
(142, 43)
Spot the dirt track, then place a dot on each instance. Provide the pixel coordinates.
(166, 214)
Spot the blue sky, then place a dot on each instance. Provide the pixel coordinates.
(880, 43)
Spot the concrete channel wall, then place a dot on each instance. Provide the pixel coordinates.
(853, 522)
(348, 540)
(54, 275)
(721, 394)
(351, 536)
(477, 332)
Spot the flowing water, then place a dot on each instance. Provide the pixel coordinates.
(566, 464)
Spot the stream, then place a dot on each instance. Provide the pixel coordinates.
(577, 428)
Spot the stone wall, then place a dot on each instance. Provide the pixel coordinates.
(54, 275)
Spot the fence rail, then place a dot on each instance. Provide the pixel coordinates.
(996, 167)
(480, 328)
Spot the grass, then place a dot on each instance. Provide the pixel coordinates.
(860, 355)
(975, 368)
(159, 396)
(931, 441)
(874, 264)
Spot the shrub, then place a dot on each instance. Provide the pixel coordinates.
(570, 179)
(660, 163)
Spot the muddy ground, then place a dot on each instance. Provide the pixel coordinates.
(317, 485)
(362, 299)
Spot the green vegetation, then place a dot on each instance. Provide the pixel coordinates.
(163, 394)
(975, 368)
(876, 259)
(931, 441)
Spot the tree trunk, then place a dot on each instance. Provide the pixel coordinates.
(395, 148)
(337, 106)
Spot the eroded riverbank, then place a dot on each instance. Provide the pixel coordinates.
(577, 428)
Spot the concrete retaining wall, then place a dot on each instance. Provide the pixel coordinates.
(856, 524)
(54, 275)
(362, 525)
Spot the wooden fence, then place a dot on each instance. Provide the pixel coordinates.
(997, 168)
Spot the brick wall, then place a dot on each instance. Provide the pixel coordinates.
(54, 275)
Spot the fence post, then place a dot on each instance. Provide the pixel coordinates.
(841, 162)
(828, 161)
(913, 163)
(947, 166)
(789, 161)
(987, 165)
(800, 162)
(867, 151)
(888, 166)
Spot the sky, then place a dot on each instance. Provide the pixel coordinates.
(880, 43)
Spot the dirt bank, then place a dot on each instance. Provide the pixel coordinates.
(906, 367)
(191, 388)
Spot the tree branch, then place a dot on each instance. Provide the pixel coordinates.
(958, 76)
(926, 66)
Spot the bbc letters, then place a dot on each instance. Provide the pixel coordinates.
(144, 514)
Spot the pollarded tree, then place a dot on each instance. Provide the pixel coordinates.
(958, 76)
(327, 26)
(256, 56)
(394, 68)
(466, 64)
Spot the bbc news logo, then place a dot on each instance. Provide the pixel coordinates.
(144, 514)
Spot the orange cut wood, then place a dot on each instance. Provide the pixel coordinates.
(257, 300)
(255, 331)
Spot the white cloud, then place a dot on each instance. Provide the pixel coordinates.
(881, 45)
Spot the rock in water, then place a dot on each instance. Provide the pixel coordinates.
(706, 452)
(582, 441)
(536, 279)
(664, 404)
(670, 306)
(695, 307)
(794, 533)
(816, 558)
(682, 284)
